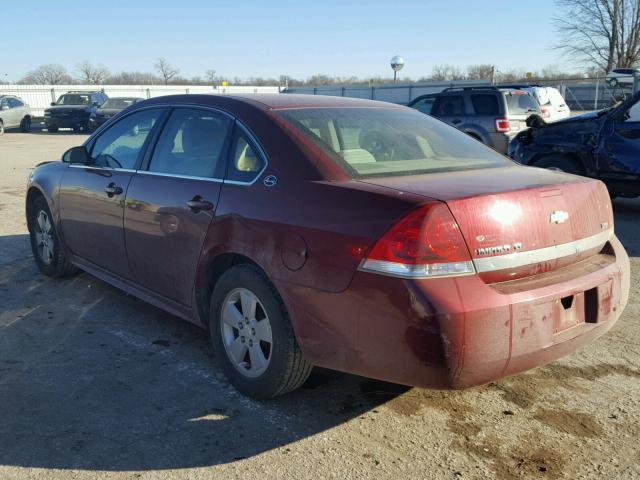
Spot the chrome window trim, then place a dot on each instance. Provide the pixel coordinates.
(177, 175)
(108, 169)
(545, 254)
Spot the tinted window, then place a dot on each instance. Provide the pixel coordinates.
(485, 104)
(521, 103)
(246, 163)
(74, 99)
(424, 105)
(119, 102)
(120, 145)
(370, 142)
(192, 143)
(448, 105)
(14, 103)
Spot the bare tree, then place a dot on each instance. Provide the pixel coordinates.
(166, 70)
(480, 72)
(446, 72)
(210, 76)
(91, 74)
(603, 33)
(49, 74)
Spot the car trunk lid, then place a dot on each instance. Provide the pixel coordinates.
(519, 221)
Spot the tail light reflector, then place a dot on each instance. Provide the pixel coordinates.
(503, 125)
(426, 243)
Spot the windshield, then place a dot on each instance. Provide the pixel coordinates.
(119, 102)
(370, 142)
(74, 99)
(521, 103)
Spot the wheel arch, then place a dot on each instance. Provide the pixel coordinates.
(32, 193)
(570, 155)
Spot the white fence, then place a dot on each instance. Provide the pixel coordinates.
(40, 97)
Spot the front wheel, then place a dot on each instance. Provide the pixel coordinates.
(47, 249)
(52, 129)
(252, 335)
(1, 128)
(613, 82)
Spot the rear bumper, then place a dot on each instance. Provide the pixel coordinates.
(458, 332)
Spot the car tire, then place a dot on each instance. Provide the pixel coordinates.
(47, 248)
(613, 82)
(25, 124)
(562, 163)
(52, 129)
(261, 360)
(1, 128)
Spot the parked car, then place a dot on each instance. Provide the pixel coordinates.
(354, 235)
(553, 106)
(603, 145)
(621, 76)
(73, 110)
(491, 115)
(108, 109)
(14, 113)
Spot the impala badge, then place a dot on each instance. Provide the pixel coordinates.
(558, 216)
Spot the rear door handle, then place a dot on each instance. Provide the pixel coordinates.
(197, 204)
(113, 189)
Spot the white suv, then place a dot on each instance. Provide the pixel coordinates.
(552, 104)
(14, 113)
(621, 76)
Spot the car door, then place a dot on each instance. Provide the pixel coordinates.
(450, 108)
(17, 111)
(619, 151)
(92, 196)
(171, 203)
(9, 113)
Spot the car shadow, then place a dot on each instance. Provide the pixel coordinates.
(92, 378)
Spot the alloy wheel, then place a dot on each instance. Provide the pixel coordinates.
(246, 332)
(44, 237)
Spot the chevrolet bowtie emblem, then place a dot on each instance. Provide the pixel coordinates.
(558, 216)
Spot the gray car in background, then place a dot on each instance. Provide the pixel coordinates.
(491, 115)
(14, 113)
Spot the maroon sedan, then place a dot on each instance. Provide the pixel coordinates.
(349, 234)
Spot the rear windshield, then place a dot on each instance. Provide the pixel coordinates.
(119, 102)
(74, 99)
(521, 103)
(377, 142)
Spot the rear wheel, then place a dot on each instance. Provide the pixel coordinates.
(25, 125)
(48, 251)
(252, 335)
(562, 163)
(52, 129)
(1, 128)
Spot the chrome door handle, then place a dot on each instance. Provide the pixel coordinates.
(196, 205)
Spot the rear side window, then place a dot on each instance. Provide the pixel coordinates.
(484, 104)
(424, 105)
(192, 143)
(120, 145)
(521, 103)
(246, 162)
(448, 105)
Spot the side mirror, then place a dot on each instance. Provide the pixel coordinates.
(77, 155)
(53, 104)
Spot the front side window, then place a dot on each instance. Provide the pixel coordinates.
(246, 163)
(370, 142)
(121, 144)
(449, 105)
(424, 105)
(192, 143)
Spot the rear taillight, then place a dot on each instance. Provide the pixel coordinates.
(502, 125)
(426, 243)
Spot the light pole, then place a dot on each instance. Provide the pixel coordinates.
(397, 62)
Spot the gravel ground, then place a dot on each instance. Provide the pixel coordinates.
(97, 384)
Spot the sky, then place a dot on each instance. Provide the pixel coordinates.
(248, 38)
